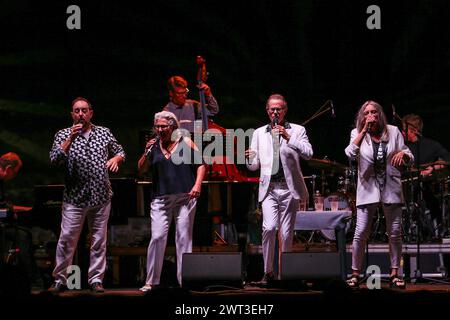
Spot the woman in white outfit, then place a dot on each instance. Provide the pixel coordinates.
(379, 150)
(177, 180)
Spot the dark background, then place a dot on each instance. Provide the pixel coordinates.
(309, 51)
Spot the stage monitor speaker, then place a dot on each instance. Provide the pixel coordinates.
(310, 265)
(210, 269)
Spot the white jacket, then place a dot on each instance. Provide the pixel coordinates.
(367, 189)
(290, 153)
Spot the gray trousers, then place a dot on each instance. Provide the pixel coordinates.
(71, 227)
(163, 210)
(278, 212)
(364, 218)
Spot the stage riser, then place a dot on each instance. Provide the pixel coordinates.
(130, 270)
(430, 263)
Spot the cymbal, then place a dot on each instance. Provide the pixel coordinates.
(436, 163)
(441, 169)
(441, 172)
(436, 174)
(324, 164)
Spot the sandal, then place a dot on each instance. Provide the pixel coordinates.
(353, 282)
(396, 283)
(146, 288)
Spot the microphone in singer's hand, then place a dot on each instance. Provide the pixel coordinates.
(151, 147)
(78, 131)
(275, 121)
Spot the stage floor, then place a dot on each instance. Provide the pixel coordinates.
(245, 303)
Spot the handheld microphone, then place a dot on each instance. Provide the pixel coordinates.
(275, 121)
(151, 147)
(79, 121)
(333, 112)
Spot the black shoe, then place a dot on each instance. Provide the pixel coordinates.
(97, 287)
(57, 287)
(396, 283)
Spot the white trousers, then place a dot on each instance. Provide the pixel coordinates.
(364, 218)
(278, 211)
(163, 210)
(71, 226)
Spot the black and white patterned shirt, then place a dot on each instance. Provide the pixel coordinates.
(87, 179)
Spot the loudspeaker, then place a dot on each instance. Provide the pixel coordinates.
(310, 265)
(208, 269)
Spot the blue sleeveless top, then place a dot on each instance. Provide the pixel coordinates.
(169, 177)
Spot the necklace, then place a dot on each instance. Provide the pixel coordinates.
(167, 151)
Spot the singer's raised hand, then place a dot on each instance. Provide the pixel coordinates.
(75, 130)
(367, 127)
(369, 124)
(149, 145)
(281, 130)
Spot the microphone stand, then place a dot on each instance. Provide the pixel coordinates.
(319, 112)
(413, 206)
(418, 207)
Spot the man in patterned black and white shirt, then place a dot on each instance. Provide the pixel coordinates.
(87, 152)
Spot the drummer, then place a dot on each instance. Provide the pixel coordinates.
(430, 156)
(425, 150)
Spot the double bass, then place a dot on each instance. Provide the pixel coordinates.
(225, 169)
(201, 78)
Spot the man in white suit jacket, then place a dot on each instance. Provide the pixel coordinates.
(276, 150)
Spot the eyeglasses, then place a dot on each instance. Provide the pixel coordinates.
(83, 110)
(162, 126)
(182, 93)
(272, 110)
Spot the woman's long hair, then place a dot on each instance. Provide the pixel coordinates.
(360, 118)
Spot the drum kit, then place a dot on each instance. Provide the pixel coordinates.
(334, 181)
(426, 199)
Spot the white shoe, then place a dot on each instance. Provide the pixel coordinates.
(147, 287)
